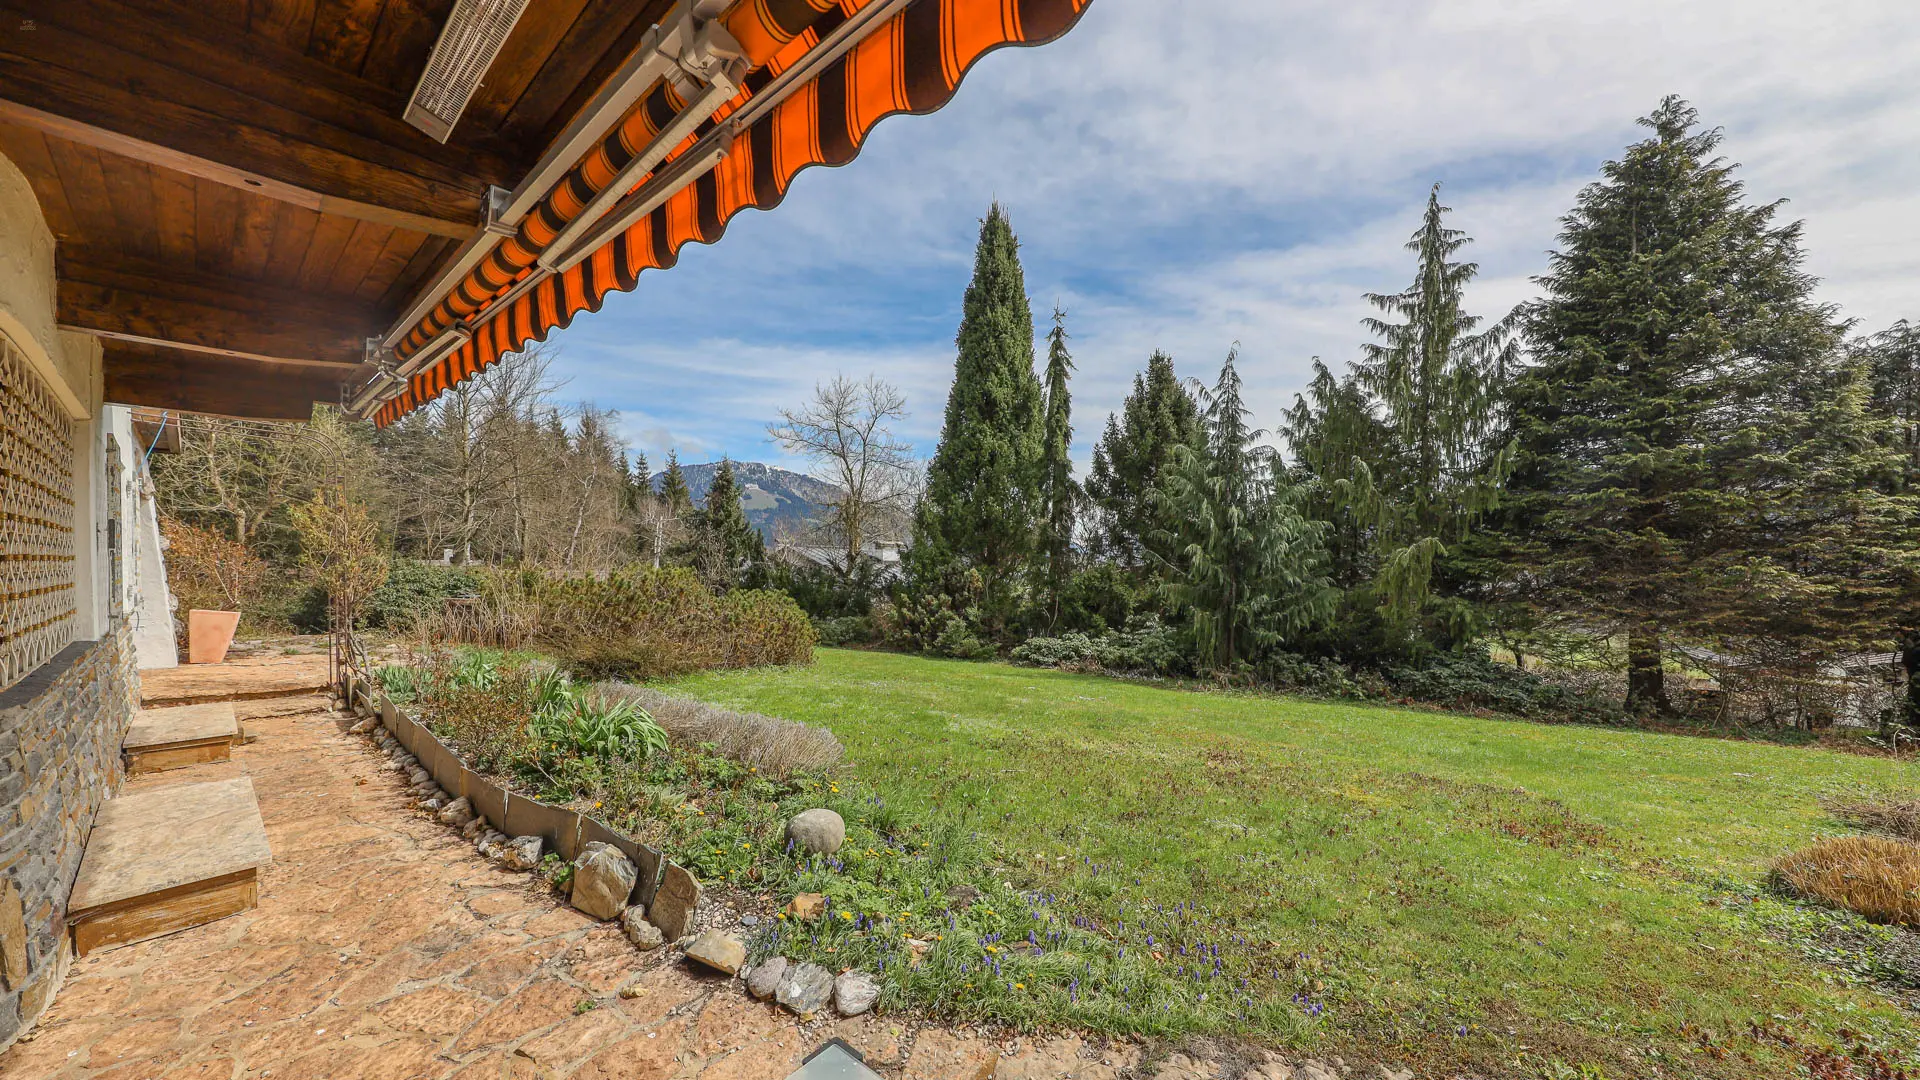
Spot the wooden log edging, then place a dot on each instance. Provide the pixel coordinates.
(564, 831)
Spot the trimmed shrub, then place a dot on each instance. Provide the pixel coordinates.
(1145, 647)
(634, 624)
(847, 630)
(1071, 650)
(417, 590)
(1471, 681)
(1875, 877)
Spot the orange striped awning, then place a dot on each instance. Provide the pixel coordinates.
(912, 63)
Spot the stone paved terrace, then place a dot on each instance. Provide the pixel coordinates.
(385, 948)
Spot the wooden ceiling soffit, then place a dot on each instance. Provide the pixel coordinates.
(162, 378)
(196, 95)
(119, 297)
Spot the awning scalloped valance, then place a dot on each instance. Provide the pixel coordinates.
(912, 63)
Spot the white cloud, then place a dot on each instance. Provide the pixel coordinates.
(1187, 175)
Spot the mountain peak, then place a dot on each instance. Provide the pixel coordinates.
(770, 495)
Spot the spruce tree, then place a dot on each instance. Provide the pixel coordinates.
(1336, 439)
(729, 544)
(673, 487)
(1247, 566)
(1893, 357)
(1399, 457)
(1131, 458)
(1672, 309)
(982, 505)
(1059, 494)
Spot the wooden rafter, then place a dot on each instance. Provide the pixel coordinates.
(121, 297)
(182, 381)
(193, 94)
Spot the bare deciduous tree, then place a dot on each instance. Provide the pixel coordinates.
(844, 433)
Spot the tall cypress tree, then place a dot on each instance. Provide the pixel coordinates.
(1058, 493)
(1247, 566)
(1671, 310)
(982, 502)
(1131, 458)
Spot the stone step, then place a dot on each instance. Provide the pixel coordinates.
(236, 680)
(166, 859)
(180, 735)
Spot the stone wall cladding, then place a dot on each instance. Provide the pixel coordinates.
(60, 733)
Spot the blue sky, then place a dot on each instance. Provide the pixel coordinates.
(1187, 175)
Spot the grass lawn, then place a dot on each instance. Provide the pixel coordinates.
(1452, 892)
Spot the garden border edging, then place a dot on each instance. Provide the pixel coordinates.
(564, 831)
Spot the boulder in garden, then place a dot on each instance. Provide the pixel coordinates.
(633, 922)
(807, 906)
(854, 993)
(458, 813)
(718, 951)
(765, 979)
(675, 903)
(817, 831)
(805, 990)
(603, 878)
(521, 852)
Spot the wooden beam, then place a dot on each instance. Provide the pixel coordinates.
(180, 381)
(190, 93)
(154, 154)
(120, 297)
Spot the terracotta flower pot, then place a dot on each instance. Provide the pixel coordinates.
(208, 635)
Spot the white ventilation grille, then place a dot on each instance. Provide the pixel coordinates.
(469, 42)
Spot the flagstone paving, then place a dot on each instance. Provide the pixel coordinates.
(385, 948)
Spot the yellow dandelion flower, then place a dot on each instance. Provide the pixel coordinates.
(1019, 986)
(847, 915)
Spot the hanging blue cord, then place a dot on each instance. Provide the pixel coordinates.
(147, 459)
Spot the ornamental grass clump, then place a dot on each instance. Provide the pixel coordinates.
(1875, 877)
(777, 748)
(1895, 817)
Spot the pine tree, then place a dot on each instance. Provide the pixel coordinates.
(673, 487)
(729, 544)
(1059, 494)
(1672, 309)
(1247, 569)
(1131, 458)
(982, 502)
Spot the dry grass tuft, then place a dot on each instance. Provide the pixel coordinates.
(1895, 817)
(778, 748)
(1875, 877)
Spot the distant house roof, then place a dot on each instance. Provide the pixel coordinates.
(885, 553)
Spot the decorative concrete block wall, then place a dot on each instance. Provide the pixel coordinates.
(60, 734)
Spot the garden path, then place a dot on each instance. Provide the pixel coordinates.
(385, 948)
